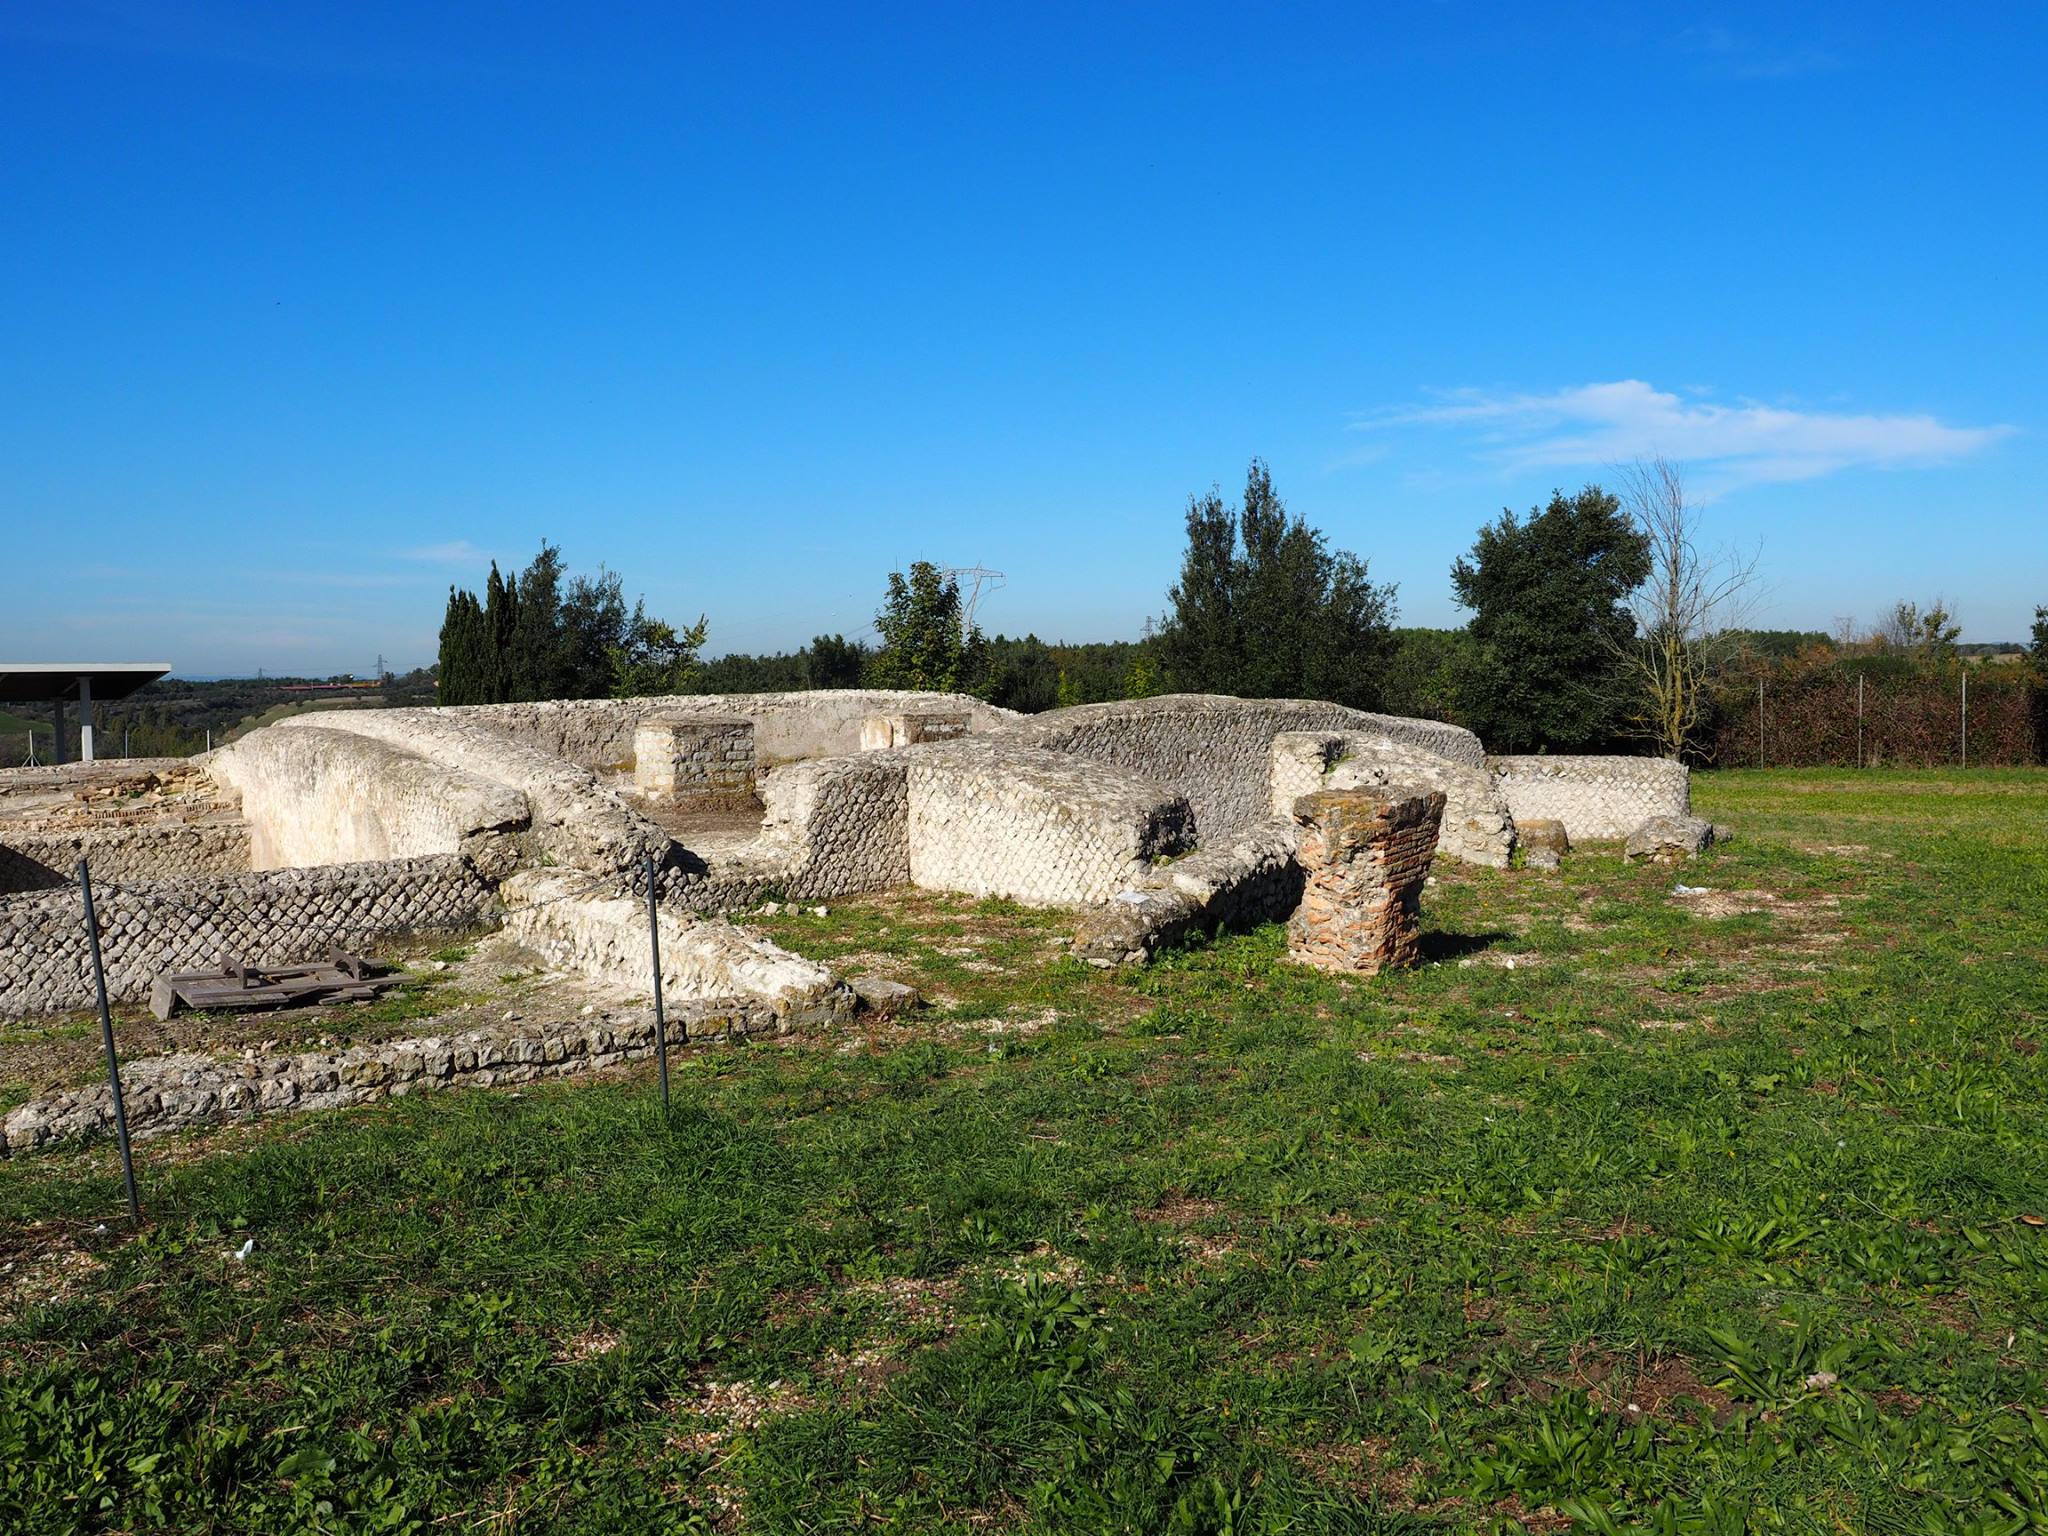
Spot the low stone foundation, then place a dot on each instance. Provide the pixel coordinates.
(163, 1094)
(1363, 858)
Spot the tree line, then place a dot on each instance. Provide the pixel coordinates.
(1599, 621)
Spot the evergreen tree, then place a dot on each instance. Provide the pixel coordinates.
(1549, 620)
(1264, 609)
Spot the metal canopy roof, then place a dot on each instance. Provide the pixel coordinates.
(28, 682)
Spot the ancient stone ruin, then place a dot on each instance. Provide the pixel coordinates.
(1149, 820)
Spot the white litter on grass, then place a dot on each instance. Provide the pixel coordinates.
(1690, 890)
(241, 1254)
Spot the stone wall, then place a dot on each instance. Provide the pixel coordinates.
(40, 861)
(987, 818)
(1217, 750)
(1363, 859)
(1476, 825)
(317, 796)
(269, 918)
(162, 1094)
(1596, 798)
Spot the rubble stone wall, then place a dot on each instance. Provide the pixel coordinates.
(1217, 750)
(987, 818)
(274, 917)
(1363, 856)
(1596, 798)
(133, 818)
(1476, 826)
(316, 796)
(695, 761)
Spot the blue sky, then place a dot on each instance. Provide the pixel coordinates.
(309, 311)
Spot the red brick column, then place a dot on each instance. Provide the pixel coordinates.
(1364, 854)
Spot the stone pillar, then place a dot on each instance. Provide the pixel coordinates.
(702, 762)
(1364, 854)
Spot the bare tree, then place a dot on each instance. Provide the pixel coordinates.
(1683, 612)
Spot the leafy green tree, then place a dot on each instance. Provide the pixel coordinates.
(1549, 619)
(1265, 609)
(1926, 636)
(654, 657)
(923, 646)
(1065, 694)
(2040, 650)
(1141, 679)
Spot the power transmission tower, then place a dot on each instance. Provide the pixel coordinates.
(983, 581)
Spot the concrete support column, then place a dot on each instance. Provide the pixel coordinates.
(85, 719)
(57, 734)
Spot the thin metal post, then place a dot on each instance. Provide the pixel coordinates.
(1859, 719)
(1759, 722)
(1966, 719)
(99, 982)
(654, 948)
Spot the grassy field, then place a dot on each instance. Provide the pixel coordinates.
(1629, 1211)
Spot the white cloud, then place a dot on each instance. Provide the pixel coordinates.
(1743, 444)
(455, 552)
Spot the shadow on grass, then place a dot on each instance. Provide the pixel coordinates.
(1438, 947)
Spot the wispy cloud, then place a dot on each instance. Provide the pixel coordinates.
(455, 552)
(1741, 444)
(1733, 54)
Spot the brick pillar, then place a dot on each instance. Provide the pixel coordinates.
(695, 761)
(1364, 854)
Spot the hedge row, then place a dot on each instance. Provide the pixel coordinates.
(1815, 721)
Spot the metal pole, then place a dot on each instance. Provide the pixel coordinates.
(1966, 719)
(1759, 722)
(654, 947)
(99, 982)
(1859, 719)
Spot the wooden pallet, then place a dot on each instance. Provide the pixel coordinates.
(341, 978)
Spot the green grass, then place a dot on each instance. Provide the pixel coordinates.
(1713, 1218)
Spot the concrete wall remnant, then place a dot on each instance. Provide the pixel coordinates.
(315, 796)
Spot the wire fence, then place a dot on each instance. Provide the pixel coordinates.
(1837, 720)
